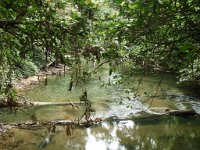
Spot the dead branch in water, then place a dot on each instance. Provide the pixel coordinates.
(94, 121)
(31, 124)
(180, 112)
(4, 127)
(73, 105)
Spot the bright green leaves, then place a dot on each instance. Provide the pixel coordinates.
(32, 9)
(88, 1)
(119, 2)
(75, 15)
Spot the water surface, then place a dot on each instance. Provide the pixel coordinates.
(130, 100)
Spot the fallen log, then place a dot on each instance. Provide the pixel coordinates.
(180, 112)
(96, 120)
(31, 104)
(32, 124)
(55, 103)
(86, 123)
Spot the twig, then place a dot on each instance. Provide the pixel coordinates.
(155, 92)
(140, 81)
(22, 97)
(71, 103)
(99, 66)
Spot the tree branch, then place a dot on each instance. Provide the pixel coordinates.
(99, 66)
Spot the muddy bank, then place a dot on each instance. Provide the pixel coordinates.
(25, 83)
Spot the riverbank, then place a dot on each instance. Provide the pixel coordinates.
(26, 83)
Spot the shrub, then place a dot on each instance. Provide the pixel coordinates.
(26, 69)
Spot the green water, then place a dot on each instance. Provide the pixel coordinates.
(164, 132)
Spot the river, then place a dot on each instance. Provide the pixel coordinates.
(133, 110)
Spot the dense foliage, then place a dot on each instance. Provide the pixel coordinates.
(148, 34)
(167, 32)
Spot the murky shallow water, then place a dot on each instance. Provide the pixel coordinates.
(152, 133)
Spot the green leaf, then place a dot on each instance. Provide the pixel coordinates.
(88, 1)
(133, 6)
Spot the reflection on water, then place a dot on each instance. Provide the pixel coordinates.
(94, 143)
(149, 133)
(110, 101)
(101, 141)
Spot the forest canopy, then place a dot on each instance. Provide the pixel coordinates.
(139, 34)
